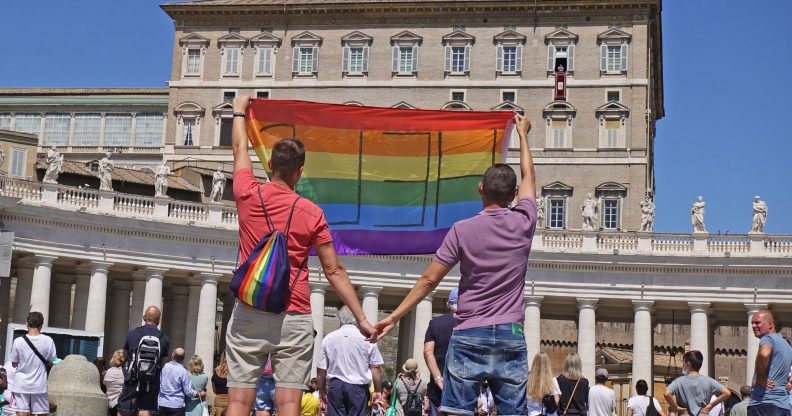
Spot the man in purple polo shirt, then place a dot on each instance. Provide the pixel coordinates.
(492, 248)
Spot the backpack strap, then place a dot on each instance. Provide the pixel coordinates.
(266, 213)
(36, 351)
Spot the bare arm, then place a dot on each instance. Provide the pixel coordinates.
(762, 364)
(528, 181)
(725, 393)
(376, 378)
(425, 285)
(321, 382)
(671, 400)
(338, 278)
(239, 137)
(434, 369)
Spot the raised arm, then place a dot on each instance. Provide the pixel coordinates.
(528, 181)
(239, 137)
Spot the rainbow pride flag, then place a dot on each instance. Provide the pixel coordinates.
(390, 181)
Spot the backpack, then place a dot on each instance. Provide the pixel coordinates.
(651, 410)
(262, 281)
(549, 404)
(413, 406)
(144, 363)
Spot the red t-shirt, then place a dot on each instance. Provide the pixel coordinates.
(308, 227)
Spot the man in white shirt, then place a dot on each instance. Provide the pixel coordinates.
(600, 397)
(28, 355)
(348, 363)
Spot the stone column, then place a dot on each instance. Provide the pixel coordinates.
(177, 311)
(643, 350)
(533, 326)
(138, 297)
(207, 316)
(153, 296)
(752, 343)
(370, 303)
(5, 308)
(228, 309)
(193, 303)
(317, 313)
(81, 291)
(60, 301)
(699, 332)
(120, 314)
(24, 287)
(40, 290)
(587, 332)
(97, 297)
(423, 314)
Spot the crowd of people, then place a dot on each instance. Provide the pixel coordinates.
(476, 354)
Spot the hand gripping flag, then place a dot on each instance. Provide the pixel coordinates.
(390, 181)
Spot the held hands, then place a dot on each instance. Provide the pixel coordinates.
(523, 125)
(241, 103)
(384, 327)
(368, 331)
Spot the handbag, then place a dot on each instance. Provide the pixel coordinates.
(204, 407)
(571, 396)
(392, 409)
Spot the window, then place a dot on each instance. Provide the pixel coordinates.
(556, 219)
(262, 94)
(193, 62)
(458, 58)
(28, 123)
(509, 96)
(613, 50)
(18, 162)
(613, 96)
(559, 133)
(118, 130)
(407, 60)
(56, 129)
(5, 121)
(148, 130)
(561, 50)
(457, 96)
(612, 132)
(86, 129)
(228, 96)
(231, 61)
(405, 53)
(264, 62)
(188, 129)
(612, 117)
(457, 53)
(225, 131)
(509, 59)
(355, 60)
(510, 27)
(305, 60)
(460, 28)
(610, 214)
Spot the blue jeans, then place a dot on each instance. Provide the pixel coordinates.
(496, 353)
(767, 410)
(265, 394)
(344, 399)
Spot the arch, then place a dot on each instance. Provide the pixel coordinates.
(456, 106)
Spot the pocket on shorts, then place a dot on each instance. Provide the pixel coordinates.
(515, 364)
(467, 360)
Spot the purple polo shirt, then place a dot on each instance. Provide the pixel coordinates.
(492, 249)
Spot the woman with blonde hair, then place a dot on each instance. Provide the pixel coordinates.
(114, 380)
(199, 380)
(543, 390)
(220, 387)
(574, 388)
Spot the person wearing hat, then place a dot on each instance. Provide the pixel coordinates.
(409, 390)
(600, 397)
(438, 334)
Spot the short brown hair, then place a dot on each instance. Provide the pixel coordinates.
(499, 184)
(288, 156)
(35, 320)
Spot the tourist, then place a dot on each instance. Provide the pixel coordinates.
(741, 409)
(309, 405)
(175, 386)
(574, 388)
(198, 380)
(265, 391)
(438, 334)
(113, 380)
(769, 396)
(485, 405)
(253, 333)
(638, 405)
(543, 390)
(347, 365)
(691, 393)
(492, 250)
(601, 399)
(220, 387)
(6, 407)
(31, 355)
(410, 390)
(137, 395)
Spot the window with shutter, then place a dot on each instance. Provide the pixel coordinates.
(518, 61)
(296, 59)
(414, 59)
(315, 61)
(612, 128)
(467, 59)
(264, 66)
(345, 59)
(18, 162)
(499, 58)
(448, 53)
(231, 56)
(193, 62)
(559, 133)
(556, 219)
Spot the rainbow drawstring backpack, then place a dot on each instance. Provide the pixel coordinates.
(262, 281)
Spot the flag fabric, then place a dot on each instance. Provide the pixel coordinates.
(390, 181)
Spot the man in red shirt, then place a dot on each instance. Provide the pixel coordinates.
(288, 336)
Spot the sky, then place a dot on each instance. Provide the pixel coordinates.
(727, 84)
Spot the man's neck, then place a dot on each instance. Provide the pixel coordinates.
(278, 179)
(693, 373)
(492, 205)
(34, 331)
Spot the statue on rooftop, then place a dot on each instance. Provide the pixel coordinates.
(647, 214)
(589, 213)
(759, 215)
(218, 185)
(54, 165)
(697, 216)
(541, 210)
(161, 180)
(106, 173)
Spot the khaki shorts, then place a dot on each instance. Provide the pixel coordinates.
(252, 334)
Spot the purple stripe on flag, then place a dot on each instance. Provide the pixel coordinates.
(351, 242)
